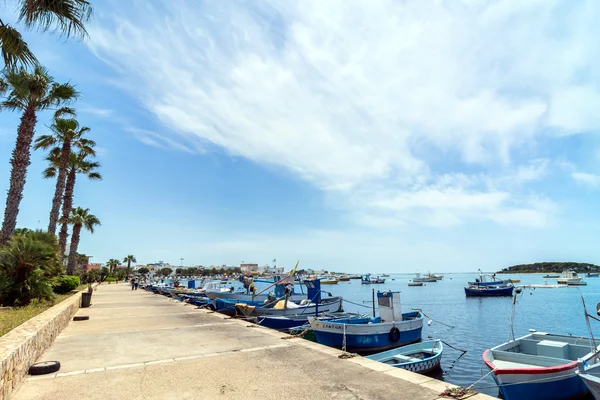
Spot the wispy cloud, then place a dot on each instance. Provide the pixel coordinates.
(585, 179)
(363, 98)
(95, 111)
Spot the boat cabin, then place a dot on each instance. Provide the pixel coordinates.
(390, 308)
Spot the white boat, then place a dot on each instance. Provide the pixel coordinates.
(427, 278)
(540, 366)
(419, 357)
(568, 278)
(591, 377)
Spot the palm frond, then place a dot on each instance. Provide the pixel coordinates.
(49, 173)
(64, 111)
(95, 176)
(68, 16)
(44, 142)
(13, 104)
(14, 49)
(60, 93)
(82, 216)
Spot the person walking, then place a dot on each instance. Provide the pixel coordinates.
(136, 283)
(132, 283)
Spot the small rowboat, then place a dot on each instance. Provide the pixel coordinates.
(415, 283)
(419, 357)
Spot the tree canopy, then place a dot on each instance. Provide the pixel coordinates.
(554, 267)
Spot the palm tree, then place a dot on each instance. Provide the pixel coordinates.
(29, 92)
(68, 134)
(79, 218)
(112, 264)
(77, 165)
(68, 16)
(129, 259)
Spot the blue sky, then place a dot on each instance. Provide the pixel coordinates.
(351, 135)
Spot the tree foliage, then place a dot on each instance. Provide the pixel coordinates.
(552, 267)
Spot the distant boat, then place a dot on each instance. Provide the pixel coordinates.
(513, 280)
(436, 277)
(419, 357)
(415, 283)
(482, 281)
(540, 366)
(343, 278)
(385, 275)
(580, 283)
(355, 276)
(569, 277)
(368, 279)
(592, 275)
(419, 278)
(488, 291)
(392, 329)
(551, 276)
(328, 280)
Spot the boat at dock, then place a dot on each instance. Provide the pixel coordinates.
(540, 366)
(368, 279)
(569, 278)
(390, 330)
(285, 323)
(421, 357)
(328, 280)
(591, 378)
(488, 291)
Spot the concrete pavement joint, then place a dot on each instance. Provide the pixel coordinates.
(147, 330)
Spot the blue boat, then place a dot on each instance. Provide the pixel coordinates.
(481, 281)
(420, 357)
(592, 275)
(286, 323)
(540, 366)
(489, 291)
(392, 329)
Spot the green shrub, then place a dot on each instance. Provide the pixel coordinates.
(28, 264)
(111, 279)
(66, 283)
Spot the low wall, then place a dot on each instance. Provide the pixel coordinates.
(25, 344)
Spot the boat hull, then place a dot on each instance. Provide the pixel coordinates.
(331, 306)
(593, 384)
(420, 366)
(368, 338)
(488, 283)
(481, 292)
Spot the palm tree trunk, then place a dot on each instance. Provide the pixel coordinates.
(73, 250)
(128, 268)
(60, 186)
(20, 160)
(66, 210)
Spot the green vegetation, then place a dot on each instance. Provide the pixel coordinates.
(193, 271)
(129, 259)
(143, 271)
(66, 283)
(112, 264)
(165, 272)
(79, 218)
(551, 267)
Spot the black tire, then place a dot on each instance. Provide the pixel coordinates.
(394, 334)
(81, 318)
(43, 368)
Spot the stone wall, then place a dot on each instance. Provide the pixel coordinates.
(25, 344)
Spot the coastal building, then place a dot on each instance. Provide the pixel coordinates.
(249, 267)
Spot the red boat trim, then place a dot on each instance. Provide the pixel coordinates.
(532, 371)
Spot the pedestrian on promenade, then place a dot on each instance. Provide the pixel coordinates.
(136, 284)
(132, 283)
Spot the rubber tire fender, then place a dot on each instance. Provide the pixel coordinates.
(43, 368)
(394, 334)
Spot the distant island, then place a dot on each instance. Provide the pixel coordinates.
(547, 267)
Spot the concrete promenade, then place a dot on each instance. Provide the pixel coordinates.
(137, 345)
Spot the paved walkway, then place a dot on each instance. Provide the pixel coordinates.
(137, 345)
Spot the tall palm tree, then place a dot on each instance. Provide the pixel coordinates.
(68, 134)
(78, 164)
(79, 218)
(129, 259)
(30, 93)
(112, 265)
(67, 16)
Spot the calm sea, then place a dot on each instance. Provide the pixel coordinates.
(481, 323)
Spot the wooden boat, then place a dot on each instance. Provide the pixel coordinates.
(355, 276)
(392, 329)
(419, 357)
(427, 278)
(591, 378)
(513, 280)
(285, 323)
(488, 291)
(551, 276)
(415, 283)
(368, 279)
(568, 277)
(343, 278)
(436, 277)
(540, 366)
(328, 280)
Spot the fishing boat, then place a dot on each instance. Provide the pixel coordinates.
(385, 275)
(568, 277)
(368, 279)
(355, 276)
(436, 277)
(483, 281)
(415, 283)
(328, 280)
(488, 291)
(591, 378)
(427, 278)
(540, 366)
(285, 323)
(343, 278)
(311, 306)
(513, 280)
(580, 283)
(419, 357)
(593, 275)
(551, 276)
(390, 330)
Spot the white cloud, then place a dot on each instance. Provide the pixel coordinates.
(585, 179)
(363, 98)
